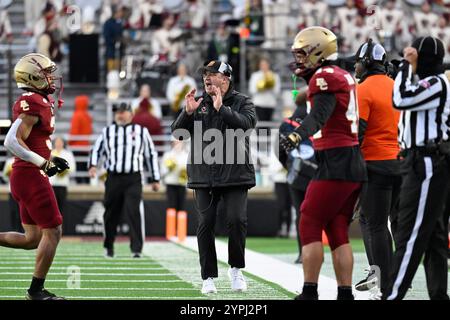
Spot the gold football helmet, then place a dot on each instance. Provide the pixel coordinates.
(35, 71)
(311, 47)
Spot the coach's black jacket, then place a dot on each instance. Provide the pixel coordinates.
(237, 112)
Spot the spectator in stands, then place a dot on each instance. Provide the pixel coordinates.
(47, 15)
(167, 43)
(145, 93)
(254, 20)
(14, 214)
(360, 32)
(198, 15)
(276, 14)
(178, 87)
(174, 174)
(313, 13)
(112, 32)
(49, 42)
(265, 87)
(5, 26)
(81, 125)
(424, 20)
(144, 117)
(442, 31)
(391, 26)
(32, 13)
(106, 11)
(218, 46)
(61, 181)
(346, 20)
(147, 14)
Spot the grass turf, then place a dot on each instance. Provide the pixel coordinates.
(154, 276)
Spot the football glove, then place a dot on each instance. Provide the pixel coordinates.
(54, 166)
(290, 142)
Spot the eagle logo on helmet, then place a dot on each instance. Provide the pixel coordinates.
(311, 47)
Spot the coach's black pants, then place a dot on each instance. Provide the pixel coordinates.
(123, 193)
(421, 230)
(378, 199)
(235, 206)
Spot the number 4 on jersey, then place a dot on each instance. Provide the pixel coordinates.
(352, 108)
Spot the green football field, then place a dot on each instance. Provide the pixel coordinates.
(166, 271)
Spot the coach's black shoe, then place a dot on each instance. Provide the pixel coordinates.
(368, 283)
(42, 295)
(303, 296)
(109, 253)
(136, 255)
(298, 260)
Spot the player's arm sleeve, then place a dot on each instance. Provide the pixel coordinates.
(19, 131)
(244, 119)
(151, 157)
(415, 96)
(324, 104)
(97, 150)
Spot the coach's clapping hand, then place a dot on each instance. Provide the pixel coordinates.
(191, 104)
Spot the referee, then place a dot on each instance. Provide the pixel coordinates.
(124, 147)
(424, 134)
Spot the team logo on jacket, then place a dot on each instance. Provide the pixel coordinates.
(203, 110)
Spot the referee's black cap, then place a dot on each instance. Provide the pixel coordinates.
(122, 106)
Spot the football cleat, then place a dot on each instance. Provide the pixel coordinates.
(368, 283)
(42, 295)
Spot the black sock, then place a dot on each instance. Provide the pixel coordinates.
(345, 293)
(310, 288)
(36, 285)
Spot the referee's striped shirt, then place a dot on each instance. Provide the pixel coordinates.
(425, 107)
(124, 149)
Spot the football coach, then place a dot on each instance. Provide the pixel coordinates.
(216, 171)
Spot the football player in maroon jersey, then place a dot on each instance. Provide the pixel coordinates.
(29, 140)
(332, 194)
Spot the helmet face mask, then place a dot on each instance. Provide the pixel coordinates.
(311, 47)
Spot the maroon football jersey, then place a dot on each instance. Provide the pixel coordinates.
(38, 141)
(341, 129)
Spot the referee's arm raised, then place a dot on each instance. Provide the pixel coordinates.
(96, 153)
(151, 159)
(423, 95)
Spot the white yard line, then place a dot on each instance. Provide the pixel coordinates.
(100, 289)
(86, 268)
(288, 276)
(97, 274)
(184, 264)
